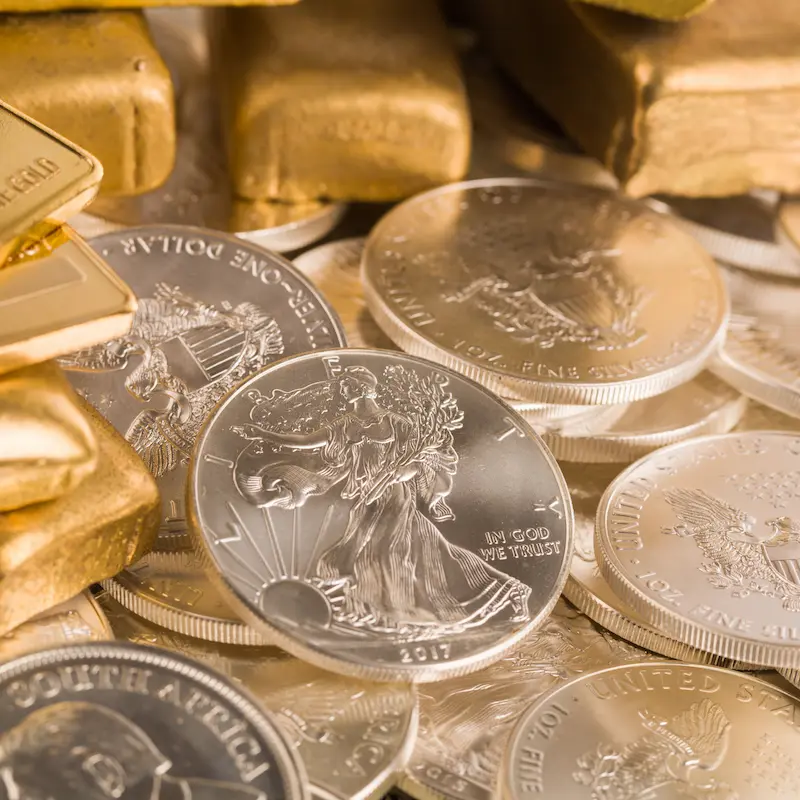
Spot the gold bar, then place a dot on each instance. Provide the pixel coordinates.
(58, 299)
(48, 446)
(51, 551)
(710, 107)
(339, 99)
(44, 179)
(670, 10)
(97, 79)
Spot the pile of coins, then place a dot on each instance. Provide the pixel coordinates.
(493, 498)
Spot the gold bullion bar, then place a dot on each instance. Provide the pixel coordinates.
(339, 99)
(60, 301)
(707, 107)
(46, 443)
(44, 179)
(51, 551)
(671, 10)
(96, 78)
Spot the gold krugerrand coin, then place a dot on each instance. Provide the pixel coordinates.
(572, 294)
(172, 589)
(354, 738)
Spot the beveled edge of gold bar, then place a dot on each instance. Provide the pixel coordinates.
(56, 342)
(15, 229)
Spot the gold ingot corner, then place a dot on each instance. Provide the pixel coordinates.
(339, 99)
(668, 10)
(47, 446)
(58, 297)
(51, 551)
(97, 78)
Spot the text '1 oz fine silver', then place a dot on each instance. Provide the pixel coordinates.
(381, 516)
(212, 310)
(571, 294)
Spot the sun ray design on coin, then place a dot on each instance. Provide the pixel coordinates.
(341, 487)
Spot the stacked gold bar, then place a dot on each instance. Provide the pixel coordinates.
(76, 505)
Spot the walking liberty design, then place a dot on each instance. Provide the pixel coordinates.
(382, 454)
(677, 754)
(188, 354)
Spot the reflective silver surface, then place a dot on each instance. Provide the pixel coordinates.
(212, 311)
(381, 515)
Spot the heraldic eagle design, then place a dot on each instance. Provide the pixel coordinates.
(562, 289)
(737, 554)
(188, 353)
(676, 755)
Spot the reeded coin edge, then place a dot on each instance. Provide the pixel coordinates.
(377, 672)
(505, 383)
(758, 385)
(184, 622)
(690, 632)
(791, 675)
(641, 635)
(613, 448)
(504, 787)
(293, 771)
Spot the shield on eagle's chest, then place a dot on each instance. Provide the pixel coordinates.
(204, 355)
(785, 560)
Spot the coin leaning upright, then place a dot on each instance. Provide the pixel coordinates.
(379, 515)
(212, 310)
(114, 720)
(572, 294)
(667, 730)
(702, 538)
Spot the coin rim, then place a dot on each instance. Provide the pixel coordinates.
(377, 672)
(291, 768)
(690, 632)
(504, 789)
(505, 382)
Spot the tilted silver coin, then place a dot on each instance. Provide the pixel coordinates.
(354, 737)
(702, 539)
(380, 515)
(701, 406)
(173, 590)
(198, 190)
(668, 730)
(589, 591)
(335, 269)
(465, 722)
(544, 291)
(763, 418)
(117, 720)
(212, 311)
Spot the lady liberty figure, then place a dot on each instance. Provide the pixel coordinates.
(386, 449)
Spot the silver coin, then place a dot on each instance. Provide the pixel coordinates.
(553, 293)
(702, 539)
(657, 731)
(115, 721)
(701, 406)
(589, 591)
(381, 516)
(212, 311)
(465, 722)
(354, 737)
(198, 190)
(335, 268)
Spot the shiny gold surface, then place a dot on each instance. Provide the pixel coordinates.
(43, 178)
(79, 619)
(707, 107)
(60, 298)
(97, 79)
(658, 9)
(51, 551)
(27, 6)
(339, 99)
(46, 443)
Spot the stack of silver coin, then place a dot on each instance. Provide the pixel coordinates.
(382, 464)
